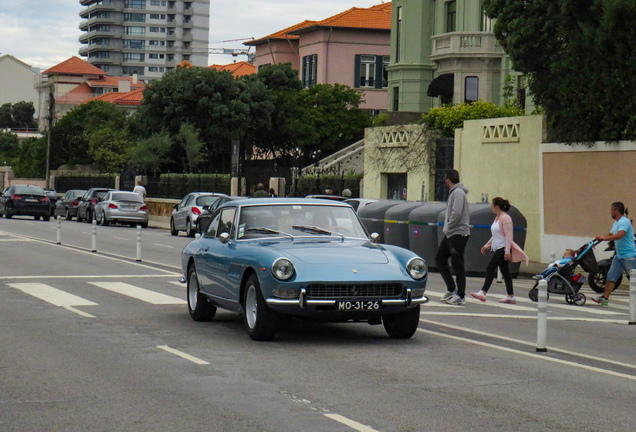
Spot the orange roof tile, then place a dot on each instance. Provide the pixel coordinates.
(76, 96)
(111, 81)
(377, 18)
(133, 97)
(282, 34)
(238, 69)
(74, 66)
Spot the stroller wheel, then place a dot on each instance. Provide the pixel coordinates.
(569, 298)
(580, 299)
(533, 294)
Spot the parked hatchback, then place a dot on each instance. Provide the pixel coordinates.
(86, 207)
(185, 214)
(25, 200)
(121, 207)
(67, 205)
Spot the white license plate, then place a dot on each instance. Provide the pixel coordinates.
(31, 200)
(360, 305)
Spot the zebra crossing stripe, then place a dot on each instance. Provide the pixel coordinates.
(142, 294)
(51, 295)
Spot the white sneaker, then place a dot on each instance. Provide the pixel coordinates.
(456, 300)
(509, 300)
(479, 295)
(448, 295)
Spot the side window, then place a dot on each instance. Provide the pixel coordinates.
(213, 227)
(226, 223)
(184, 200)
(189, 201)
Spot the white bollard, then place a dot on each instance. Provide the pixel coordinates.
(138, 242)
(552, 257)
(632, 297)
(197, 235)
(542, 316)
(94, 235)
(59, 230)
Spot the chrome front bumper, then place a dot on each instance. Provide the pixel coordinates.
(303, 302)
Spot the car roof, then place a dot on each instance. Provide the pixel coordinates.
(207, 194)
(328, 197)
(243, 201)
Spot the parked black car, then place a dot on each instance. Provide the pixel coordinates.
(25, 200)
(52, 194)
(67, 205)
(204, 218)
(86, 207)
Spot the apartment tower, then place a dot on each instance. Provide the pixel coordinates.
(144, 37)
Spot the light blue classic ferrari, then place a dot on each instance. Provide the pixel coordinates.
(269, 258)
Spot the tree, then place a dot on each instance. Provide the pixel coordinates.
(586, 97)
(151, 153)
(6, 116)
(70, 136)
(218, 106)
(448, 118)
(110, 148)
(32, 160)
(23, 115)
(9, 147)
(188, 138)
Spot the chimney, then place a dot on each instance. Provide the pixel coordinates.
(134, 79)
(124, 86)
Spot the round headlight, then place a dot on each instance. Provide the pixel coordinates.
(416, 268)
(282, 269)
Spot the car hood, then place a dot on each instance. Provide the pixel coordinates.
(334, 252)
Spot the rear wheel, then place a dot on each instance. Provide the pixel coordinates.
(260, 322)
(402, 325)
(173, 230)
(102, 220)
(198, 305)
(89, 216)
(189, 230)
(36, 217)
(7, 212)
(46, 218)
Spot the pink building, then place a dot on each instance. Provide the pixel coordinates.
(350, 48)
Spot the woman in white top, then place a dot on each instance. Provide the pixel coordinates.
(505, 251)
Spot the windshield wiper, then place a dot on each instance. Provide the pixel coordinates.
(316, 230)
(267, 230)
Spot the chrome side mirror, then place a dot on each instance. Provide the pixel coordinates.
(224, 237)
(375, 237)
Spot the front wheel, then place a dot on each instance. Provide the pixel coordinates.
(533, 294)
(173, 230)
(7, 212)
(46, 218)
(67, 214)
(402, 325)
(89, 216)
(260, 322)
(189, 230)
(198, 305)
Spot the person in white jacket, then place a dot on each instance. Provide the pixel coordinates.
(456, 233)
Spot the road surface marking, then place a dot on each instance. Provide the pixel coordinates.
(120, 238)
(530, 317)
(79, 312)
(14, 240)
(51, 295)
(164, 246)
(142, 294)
(352, 424)
(522, 342)
(182, 355)
(89, 276)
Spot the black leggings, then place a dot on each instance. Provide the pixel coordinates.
(498, 261)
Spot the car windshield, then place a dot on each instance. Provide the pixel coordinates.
(206, 200)
(120, 196)
(99, 194)
(299, 220)
(28, 190)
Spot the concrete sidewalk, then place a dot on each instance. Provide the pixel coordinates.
(162, 222)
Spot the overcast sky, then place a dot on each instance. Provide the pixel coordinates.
(43, 33)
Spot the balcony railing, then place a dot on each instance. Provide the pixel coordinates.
(453, 45)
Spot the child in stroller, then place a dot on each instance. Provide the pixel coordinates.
(568, 255)
(565, 281)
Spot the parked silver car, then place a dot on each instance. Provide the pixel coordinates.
(121, 207)
(185, 214)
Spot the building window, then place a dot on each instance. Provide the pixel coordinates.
(398, 34)
(471, 90)
(100, 28)
(155, 3)
(310, 70)
(156, 43)
(451, 16)
(134, 44)
(396, 98)
(131, 70)
(134, 30)
(154, 29)
(156, 56)
(135, 17)
(153, 69)
(135, 4)
(370, 71)
(138, 57)
(154, 16)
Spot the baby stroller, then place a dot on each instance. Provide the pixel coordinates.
(565, 281)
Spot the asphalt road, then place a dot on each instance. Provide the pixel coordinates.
(95, 341)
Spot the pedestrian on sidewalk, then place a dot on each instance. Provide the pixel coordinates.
(140, 190)
(260, 191)
(456, 233)
(505, 250)
(622, 234)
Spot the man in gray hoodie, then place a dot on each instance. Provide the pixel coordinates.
(456, 233)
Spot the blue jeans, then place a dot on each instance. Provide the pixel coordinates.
(620, 265)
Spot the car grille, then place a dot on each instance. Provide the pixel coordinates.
(348, 291)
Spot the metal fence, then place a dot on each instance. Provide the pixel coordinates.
(84, 181)
(177, 186)
(316, 180)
